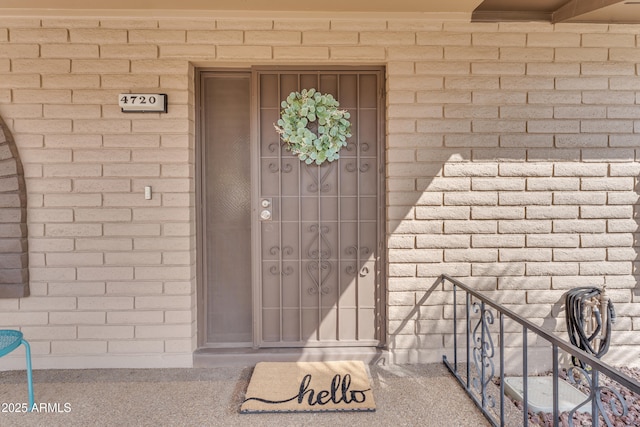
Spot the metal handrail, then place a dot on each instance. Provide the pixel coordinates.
(597, 366)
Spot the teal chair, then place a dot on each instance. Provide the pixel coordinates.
(9, 341)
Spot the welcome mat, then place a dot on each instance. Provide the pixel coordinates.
(309, 387)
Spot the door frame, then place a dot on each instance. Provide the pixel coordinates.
(201, 247)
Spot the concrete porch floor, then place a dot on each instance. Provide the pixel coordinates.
(405, 395)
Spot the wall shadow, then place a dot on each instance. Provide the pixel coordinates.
(516, 196)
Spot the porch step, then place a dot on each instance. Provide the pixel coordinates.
(213, 357)
(540, 394)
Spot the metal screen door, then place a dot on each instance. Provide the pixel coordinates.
(225, 224)
(319, 228)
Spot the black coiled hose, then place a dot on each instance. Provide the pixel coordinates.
(576, 300)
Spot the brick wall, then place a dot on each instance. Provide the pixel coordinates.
(512, 162)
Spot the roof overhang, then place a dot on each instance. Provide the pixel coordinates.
(554, 11)
(93, 6)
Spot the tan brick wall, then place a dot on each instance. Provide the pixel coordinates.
(512, 161)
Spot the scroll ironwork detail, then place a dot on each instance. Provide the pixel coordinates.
(319, 269)
(351, 167)
(286, 271)
(364, 147)
(286, 250)
(483, 353)
(318, 185)
(286, 168)
(601, 395)
(359, 252)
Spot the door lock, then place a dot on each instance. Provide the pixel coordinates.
(265, 214)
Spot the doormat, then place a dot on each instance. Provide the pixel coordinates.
(309, 387)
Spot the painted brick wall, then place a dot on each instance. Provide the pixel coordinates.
(513, 164)
(512, 155)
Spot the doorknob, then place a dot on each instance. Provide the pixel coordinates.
(265, 213)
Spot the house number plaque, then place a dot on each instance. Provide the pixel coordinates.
(143, 102)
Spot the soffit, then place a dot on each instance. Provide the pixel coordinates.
(403, 6)
(604, 11)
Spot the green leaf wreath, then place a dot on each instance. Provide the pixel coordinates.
(302, 112)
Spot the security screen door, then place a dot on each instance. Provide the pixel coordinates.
(225, 221)
(317, 231)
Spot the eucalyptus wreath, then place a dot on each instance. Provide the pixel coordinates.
(305, 111)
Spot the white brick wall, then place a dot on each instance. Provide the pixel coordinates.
(512, 161)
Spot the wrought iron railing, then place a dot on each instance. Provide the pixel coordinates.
(610, 393)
